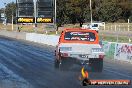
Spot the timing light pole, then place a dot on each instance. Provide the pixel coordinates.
(55, 17)
(55, 12)
(4, 15)
(12, 21)
(35, 15)
(91, 12)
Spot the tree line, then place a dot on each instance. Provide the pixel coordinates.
(78, 11)
(9, 10)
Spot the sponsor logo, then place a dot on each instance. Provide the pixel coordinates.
(25, 20)
(44, 20)
(32, 20)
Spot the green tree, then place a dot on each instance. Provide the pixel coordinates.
(1, 11)
(72, 11)
(130, 18)
(126, 6)
(10, 9)
(109, 12)
(61, 16)
(77, 10)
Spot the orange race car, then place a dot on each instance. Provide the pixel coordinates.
(79, 46)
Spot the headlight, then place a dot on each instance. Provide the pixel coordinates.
(65, 48)
(97, 50)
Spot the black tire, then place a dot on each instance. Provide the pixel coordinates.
(64, 66)
(56, 64)
(97, 65)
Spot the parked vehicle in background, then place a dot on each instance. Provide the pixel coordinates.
(93, 26)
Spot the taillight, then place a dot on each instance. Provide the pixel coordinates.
(101, 56)
(64, 54)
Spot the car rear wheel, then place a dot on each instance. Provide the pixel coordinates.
(56, 64)
(97, 65)
(61, 64)
(65, 65)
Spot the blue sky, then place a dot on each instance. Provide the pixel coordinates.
(5, 1)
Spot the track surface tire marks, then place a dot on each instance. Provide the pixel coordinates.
(35, 63)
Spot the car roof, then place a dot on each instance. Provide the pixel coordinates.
(78, 29)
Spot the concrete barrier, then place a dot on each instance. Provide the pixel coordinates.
(123, 51)
(109, 49)
(42, 38)
(118, 51)
(17, 35)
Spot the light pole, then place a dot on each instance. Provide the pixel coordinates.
(35, 15)
(129, 30)
(4, 15)
(55, 17)
(16, 15)
(12, 21)
(91, 11)
(55, 12)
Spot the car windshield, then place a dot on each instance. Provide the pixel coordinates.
(80, 36)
